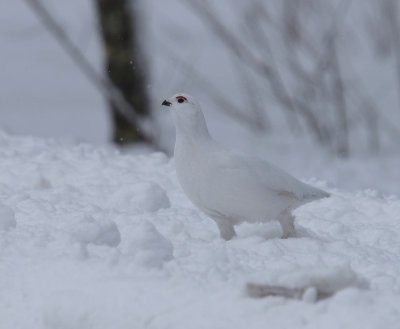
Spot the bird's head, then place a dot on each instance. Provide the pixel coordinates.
(182, 103)
(187, 114)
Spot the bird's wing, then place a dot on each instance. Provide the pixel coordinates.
(276, 179)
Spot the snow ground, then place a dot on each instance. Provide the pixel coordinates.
(90, 238)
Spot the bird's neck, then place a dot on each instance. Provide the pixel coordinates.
(191, 130)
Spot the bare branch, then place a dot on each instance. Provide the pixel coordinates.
(259, 66)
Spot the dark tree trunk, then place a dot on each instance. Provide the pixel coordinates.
(124, 65)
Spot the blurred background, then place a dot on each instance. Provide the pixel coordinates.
(311, 85)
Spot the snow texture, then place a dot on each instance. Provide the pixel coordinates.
(146, 246)
(87, 230)
(91, 238)
(7, 219)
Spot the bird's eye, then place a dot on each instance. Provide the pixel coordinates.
(181, 99)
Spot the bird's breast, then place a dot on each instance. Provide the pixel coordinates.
(194, 178)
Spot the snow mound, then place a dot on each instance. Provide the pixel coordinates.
(7, 218)
(140, 198)
(146, 246)
(99, 232)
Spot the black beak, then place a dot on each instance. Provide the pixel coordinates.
(166, 103)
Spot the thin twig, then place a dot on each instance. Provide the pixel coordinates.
(259, 66)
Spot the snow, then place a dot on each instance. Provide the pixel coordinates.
(87, 230)
(92, 238)
(139, 198)
(7, 218)
(146, 246)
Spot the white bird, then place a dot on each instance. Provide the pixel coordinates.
(228, 187)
